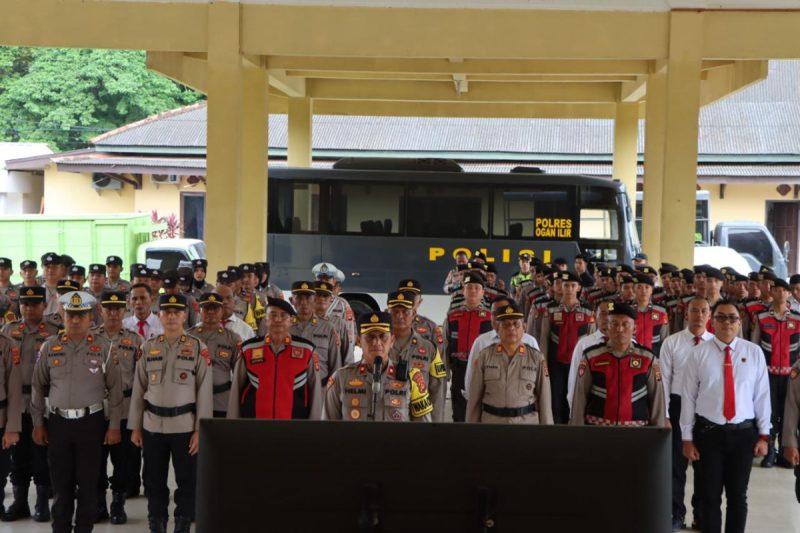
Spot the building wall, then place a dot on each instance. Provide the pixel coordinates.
(69, 193)
(742, 202)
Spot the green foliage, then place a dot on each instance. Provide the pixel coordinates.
(64, 97)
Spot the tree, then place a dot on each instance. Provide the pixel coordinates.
(64, 97)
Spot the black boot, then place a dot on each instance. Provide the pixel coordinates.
(157, 524)
(769, 460)
(183, 524)
(102, 508)
(19, 508)
(41, 512)
(118, 515)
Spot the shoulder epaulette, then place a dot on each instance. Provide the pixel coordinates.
(252, 343)
(303, 342)
(659, 308)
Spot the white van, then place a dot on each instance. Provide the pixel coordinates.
(170, 254)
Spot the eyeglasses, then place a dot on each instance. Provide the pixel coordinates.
(726, 318)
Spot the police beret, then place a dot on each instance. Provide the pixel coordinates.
(461, 268)
(738, 277)
(5, 262)
(753, 276)
(97, 268)
(714, 273)
(560, 261)
(667, 268)
(626, 279)
(643, 278)
(766, 276)
(565, 275)
(368, 322)
(511, 311)
(200, 263)
(477, 254)
(172, 301)
(303, 287)
(641, 256)
(67, 285)
(765, 268)
(51, 259)
(628, 269)
(154, 273)
(113, 299)
(247, 268)
(281, 304)
(794, 279)
(607, 273)
(401, 299)
(476, 266)
(27, 264)
(646, 269)
(67, 260)
(779, 282)
(32, 294)
(474, 277)
(264, 265)
(114, 260)
(210, 298)
(621, 309)
(77, 301)
(491, 268)
(77, 270)
(223, 276)
(409, 284)
(141, 273)
(687, 275)
(323, 287)
(170, 279)
(525, 256)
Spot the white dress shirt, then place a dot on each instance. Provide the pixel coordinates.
(584, 342)
(485, 340)
(673, 358)
(703, 390)
(152, 326)
(794, 304)
(240, 327)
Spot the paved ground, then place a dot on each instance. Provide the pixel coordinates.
(773, 508)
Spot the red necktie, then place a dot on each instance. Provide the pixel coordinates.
(729, 404)
(697, 340)
(142, 323)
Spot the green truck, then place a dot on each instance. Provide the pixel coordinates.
(91, 238)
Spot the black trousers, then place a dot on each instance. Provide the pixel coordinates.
(559, 376)
(726, 458)
(679, 467)
(126, 460)
(459, 403)
(158, 449)
(28, 460)
(75, 453)
(5, 463)
(777, 397)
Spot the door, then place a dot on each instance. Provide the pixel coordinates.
(782, 221)
(193, 206)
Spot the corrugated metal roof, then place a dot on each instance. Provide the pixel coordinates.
(762, 119)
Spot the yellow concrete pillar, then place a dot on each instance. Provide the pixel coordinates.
(680, 137)
(626, 136)
(236, 193)
(300, 132)
(655, 115)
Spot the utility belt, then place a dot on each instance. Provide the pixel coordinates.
(460, 356)
(74, 414)
(168, 412)
(509, 412)
(127, 393)
(703, 424)
(222, 387)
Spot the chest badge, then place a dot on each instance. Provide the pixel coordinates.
(355, 402)
(355, 414)
(636, 362)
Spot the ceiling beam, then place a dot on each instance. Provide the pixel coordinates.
(633, 91)
(290, 86)
(751, 35)
(723, 82)
(409, 76)
(179, 67)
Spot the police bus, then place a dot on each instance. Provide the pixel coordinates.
(379, 220)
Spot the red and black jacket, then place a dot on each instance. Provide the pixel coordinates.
(566, 327)
(463, 327)
(649, 327)
(278, 385)
(780, 340)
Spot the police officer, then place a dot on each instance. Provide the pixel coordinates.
(638, 398)
(223, 346)
(77, 273)
(328, 273)
(172, 391)
(524, 274)
(113, 270)
(10, 404)
(8, 291)
(725, 417)
(652, 321)
(126, 350)
(265, 286)
(253, 304)
(170, 283)
(76, 375)
(51, 262)
(375, 389)
(411, 350)
(791, 423)
(278, 375)
(426, 327)
(319, 331)
(199, 283)
(510, 382)
(322, 302)
(29, 460)
(97, 280)
(777, 331)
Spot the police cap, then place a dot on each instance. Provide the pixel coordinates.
(5, 262)
(141, 272)
(566, 275)
(410, 284)
(282, 305)
(51, 258)
(794, 279)
(644, 278)
(170, 279)
(766, 276)
(114, 260)
(77, 270)
(474, 277)
(687, 275)
(113, 299)
(401, 299)
(368, 322)
(154, 273)
(247, 268)
(510, 311)
(667, 268)
(210, 298)
(324, 270)
(172, 301)
(223, 276)
(77, 301)
(780, 282)
(525, 256)
(32, 294)
(97, 268)
(765, 268)
(303, 287)
(67, 285)
(627, 269)
(27, 264)
(200, 263)
(646, 269)
(323, 287)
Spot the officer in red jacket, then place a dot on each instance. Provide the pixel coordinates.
(564, 323)
(777, 331)
(277, 376)
(652, 321)
(461, 327)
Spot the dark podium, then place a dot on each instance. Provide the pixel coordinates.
(277, 476)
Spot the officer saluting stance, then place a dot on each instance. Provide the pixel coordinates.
(76, 368)
(172, 391)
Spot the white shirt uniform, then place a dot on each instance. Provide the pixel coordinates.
(703, 391)
(577, 353)
(240, 327)
(482, 341)
(673, 359)
(152, 327)
(794, 304)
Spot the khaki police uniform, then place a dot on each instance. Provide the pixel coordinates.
(417, 353)
(791, 419)
(510, 389)
(172, 391)
(119, 285)
(10, 399)
(10, 294)
(349, 396)
(76, 377)
(327, 344)
(223, 347)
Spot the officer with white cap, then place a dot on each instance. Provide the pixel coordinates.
(328, 273)
(75, 372)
